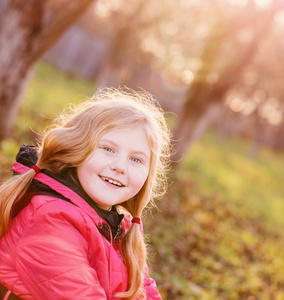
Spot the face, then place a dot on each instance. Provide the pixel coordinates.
(117, 168)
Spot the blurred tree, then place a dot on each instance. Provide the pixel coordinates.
(257, 95)
(27, 30)
(126, 27)
(215, 43)
(229, 49)
(219, 51)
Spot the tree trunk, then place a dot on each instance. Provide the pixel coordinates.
(27, 30)
(198, 112)
(116, 67)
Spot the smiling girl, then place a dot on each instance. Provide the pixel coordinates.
(70, 217)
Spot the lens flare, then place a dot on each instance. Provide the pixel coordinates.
(169, 86)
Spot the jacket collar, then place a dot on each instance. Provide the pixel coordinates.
(62, 189)
(107, 222)
(63, 185)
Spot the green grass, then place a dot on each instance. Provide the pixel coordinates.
(225, 169)
(48, 93)
(219, 234)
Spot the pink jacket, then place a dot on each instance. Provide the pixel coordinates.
(54, 250)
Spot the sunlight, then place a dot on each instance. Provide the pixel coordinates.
(187, 76)
(238, 2)
(279, 18)
(262, 4)
(236, 104)
(271, 112)
(248, 108)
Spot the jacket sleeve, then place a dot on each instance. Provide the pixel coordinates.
(52, 258)
(150, 288)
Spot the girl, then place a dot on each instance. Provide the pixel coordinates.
(70, 215)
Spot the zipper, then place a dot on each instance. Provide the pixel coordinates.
(118, 233)
(110, 233)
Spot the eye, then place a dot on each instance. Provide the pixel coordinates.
(135, 159)
(108, 149)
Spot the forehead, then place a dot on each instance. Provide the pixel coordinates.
(134, 137)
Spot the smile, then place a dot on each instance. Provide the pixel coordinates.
(114, 182)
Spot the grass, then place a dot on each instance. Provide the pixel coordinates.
(226, 170)
(48, 93)
(219, 234)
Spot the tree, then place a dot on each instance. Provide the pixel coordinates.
(126, 27)
(213, 81)
(27, 30)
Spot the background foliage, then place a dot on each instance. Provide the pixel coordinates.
(219, 232)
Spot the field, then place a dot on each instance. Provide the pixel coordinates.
(218, 233)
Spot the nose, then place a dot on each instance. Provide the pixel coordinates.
(119, 166)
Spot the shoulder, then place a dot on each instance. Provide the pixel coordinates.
(45, 202)
(49, 223)
(42, 205)
(51, 212)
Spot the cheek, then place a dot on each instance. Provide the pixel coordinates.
(140, 178)
(81, 173)
(85, 171)
(90, 165)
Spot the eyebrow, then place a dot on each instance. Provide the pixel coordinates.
(140, 153)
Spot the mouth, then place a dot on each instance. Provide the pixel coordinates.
(112, 181)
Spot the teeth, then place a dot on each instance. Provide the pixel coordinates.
(112, 181)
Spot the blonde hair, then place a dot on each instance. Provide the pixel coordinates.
(73, 138)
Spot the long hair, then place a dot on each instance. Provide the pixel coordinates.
(72, 139)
